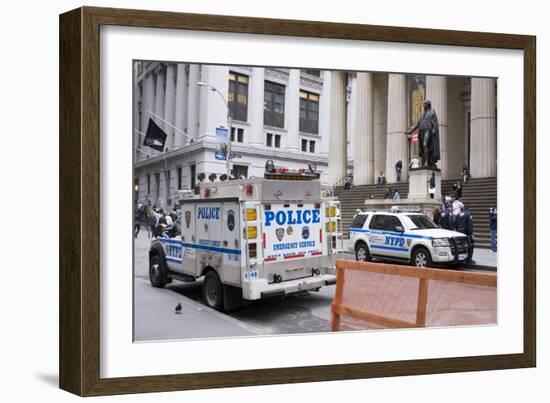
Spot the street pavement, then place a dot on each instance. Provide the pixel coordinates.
(155, 319)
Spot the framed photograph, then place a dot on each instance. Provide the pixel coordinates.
(250, 201)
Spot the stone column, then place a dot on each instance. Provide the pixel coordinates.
(363, 159)
(170, 106)
(213, 110)
(256, 107)
(180, 109)
(380, 115)
(159, 100)
(193, 101)
(324, 114)
(397, 146)
(337, 160)
(436, 92)
(483, 143)
(292, 111)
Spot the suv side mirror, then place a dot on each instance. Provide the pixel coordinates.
(399, 228)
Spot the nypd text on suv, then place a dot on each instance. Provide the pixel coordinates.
(405, 236)
(252, 238)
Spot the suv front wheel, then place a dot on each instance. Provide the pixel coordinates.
(421, 258)
(362, 252)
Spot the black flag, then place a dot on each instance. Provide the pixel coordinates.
(155, 136)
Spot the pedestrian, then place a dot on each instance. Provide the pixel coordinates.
(348, 182)
(465, 173)
(388, 194)
(465, 225)
(396, 195)
(431, 187)
(381, 179)
(436, 216)
(493, 228)
(458, 191)
(398, 169)
(458, 206)
(447, 220)
(137, 225)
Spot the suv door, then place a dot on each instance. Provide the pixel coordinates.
(387, 236)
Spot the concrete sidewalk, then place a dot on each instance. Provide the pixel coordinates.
(154, 317)
(484, 258)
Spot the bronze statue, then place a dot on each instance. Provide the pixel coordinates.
(428, 130)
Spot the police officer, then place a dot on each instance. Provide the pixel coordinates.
(447, 220)
(465, 225)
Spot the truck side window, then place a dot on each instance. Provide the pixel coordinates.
(359, 221)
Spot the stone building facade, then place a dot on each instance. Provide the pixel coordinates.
(346, 123)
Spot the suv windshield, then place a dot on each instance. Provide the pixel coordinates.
(421, 222)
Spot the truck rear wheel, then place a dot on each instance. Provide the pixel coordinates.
(212, 290)
(157, 271)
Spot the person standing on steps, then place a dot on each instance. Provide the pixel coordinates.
(398, 169)
(493, 228)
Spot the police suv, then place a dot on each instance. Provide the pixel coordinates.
(405, 236)
(252, 239)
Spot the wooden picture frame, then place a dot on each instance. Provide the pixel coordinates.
(80, 186)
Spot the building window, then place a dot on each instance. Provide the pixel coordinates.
(309, 112)
(148, 184)
(179, 177)
(192, 174)
(237, 96)
(311, 72)
(274, 104)
(269, 137)
(308, 146)
(239, 171)
(240, 134)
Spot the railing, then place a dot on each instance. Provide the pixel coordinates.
(396, 291)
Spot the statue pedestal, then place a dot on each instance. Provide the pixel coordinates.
(419, 185)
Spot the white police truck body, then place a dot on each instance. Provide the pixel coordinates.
(251, 239)
(405, 236)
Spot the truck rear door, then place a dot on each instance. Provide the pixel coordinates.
(292, 231)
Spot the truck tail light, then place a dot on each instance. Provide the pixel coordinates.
(251, 232)
(321, 235)
(206, 192)
(331, 211)
(251, 214)
(331, 226)
(252, 250)
(249, 189)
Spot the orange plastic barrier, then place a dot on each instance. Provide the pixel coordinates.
(375, 295)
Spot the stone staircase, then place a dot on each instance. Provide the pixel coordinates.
(354, 199)
(478, 195)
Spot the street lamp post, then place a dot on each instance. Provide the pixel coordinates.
(229, 122)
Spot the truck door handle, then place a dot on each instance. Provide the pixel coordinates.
(225, 243)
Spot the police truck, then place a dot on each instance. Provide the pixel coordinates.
(252, 238)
